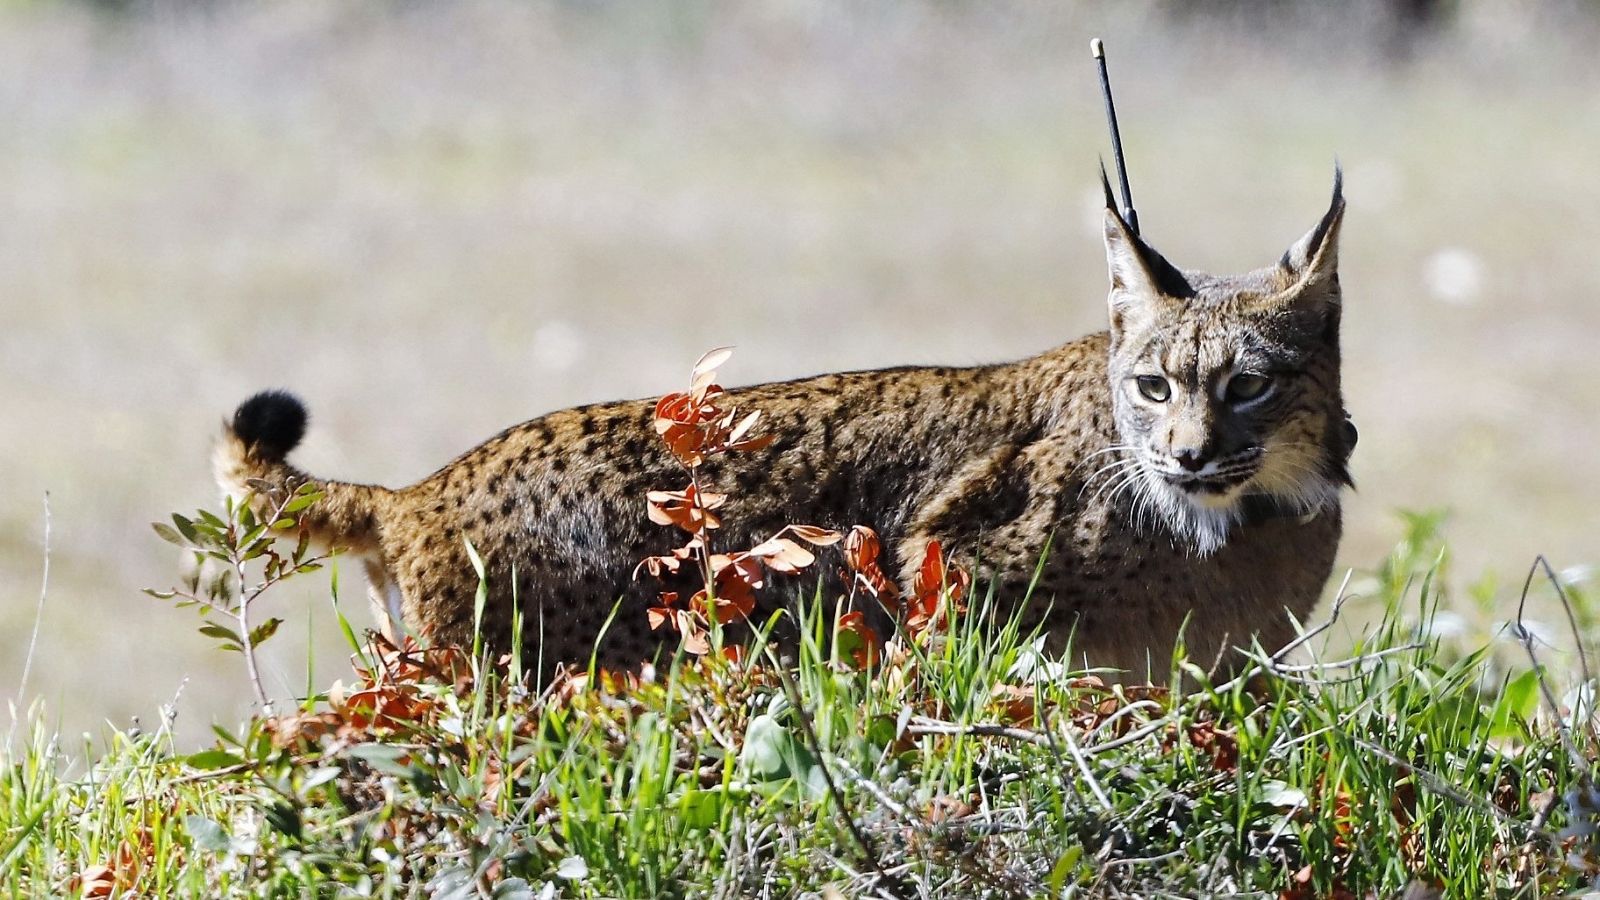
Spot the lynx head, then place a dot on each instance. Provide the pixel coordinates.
(1226, 389)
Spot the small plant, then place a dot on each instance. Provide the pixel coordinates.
(697, 425)
(227, 549)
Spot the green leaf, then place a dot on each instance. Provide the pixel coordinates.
(1066, 865)
(302, 499)
(319, 777)
(221, 632)
(186, 528)
(212, 759)
(385, 759)
(881, 731)
(285, 818)
(252, 536)
(207, 835)
(1517, 703)
(771, 753)
(454, 883)
(1281, 794)
(265, 630)
(338, 614)
(573, 868)
(20, 841)
(702, 810)
(513, 889)
(474, 558)
(482, 596)
(169, 534)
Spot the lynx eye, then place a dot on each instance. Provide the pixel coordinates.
(1246, 386)
(1154, 388)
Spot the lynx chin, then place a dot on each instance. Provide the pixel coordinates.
(1184, 468)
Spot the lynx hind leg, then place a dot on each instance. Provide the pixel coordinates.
(387, 603)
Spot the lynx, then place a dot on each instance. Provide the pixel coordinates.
(1184, 469)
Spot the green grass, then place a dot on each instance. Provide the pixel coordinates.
(219, 198)
(971, 767)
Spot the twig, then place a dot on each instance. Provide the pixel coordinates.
(1122, 713)
(1449, 791)
(921, 726)
(1350, 662)
(1525, 856)
(977, 873)
(1131, 737)
(850, 870)
(1339, 601)
(1146, 860)
(1083, 767)
(1577, 637)
(1525, 636)
(38, 616)
(224, 772)
(1270, 664)
(892, 805)
(891, 883)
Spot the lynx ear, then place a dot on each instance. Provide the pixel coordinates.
(1140, 277)
(1314, 259)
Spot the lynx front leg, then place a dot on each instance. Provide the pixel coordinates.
(995, 517)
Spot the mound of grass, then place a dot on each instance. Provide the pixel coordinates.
(967, 765)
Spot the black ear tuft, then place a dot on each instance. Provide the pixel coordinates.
(270, 424)
(1330, 219)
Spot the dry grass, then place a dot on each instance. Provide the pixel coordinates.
(438, 221)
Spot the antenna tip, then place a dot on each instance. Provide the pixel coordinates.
(1097, 47)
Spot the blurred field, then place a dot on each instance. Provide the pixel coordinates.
(436, 220)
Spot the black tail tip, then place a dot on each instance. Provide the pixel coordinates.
(270, 424)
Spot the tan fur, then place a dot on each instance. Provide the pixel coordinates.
(993, 461)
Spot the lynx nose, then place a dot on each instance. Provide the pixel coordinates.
(1191, 460)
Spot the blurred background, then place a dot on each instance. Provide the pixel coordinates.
(433, 220)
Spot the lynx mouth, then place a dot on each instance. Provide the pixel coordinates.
(1210, 485)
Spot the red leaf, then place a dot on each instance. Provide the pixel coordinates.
(743, 427)
(712, 359)
(735, 599)
(815, 536)
(689, 509)
(857, 640)
(937, 587)
(861, 548)
(756, 443)
(744, 567)
(696, 641)
(783, 555)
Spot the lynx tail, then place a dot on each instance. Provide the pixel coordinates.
(250, 462)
